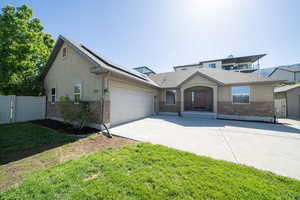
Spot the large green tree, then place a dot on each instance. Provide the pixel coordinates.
(24, 49)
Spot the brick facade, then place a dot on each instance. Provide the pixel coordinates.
(106, 112)
(169, 108)
(262, 109)
(94, 106)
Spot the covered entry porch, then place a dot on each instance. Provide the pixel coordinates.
(199, 98)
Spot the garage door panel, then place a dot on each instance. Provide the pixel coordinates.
(128, 105)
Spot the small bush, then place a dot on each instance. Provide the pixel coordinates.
(76, 114)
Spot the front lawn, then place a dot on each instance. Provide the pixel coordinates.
(24, 139)
(26, 148)
(146, 171)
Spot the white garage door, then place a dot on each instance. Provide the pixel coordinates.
(128, 105)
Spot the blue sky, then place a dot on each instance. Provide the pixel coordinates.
(164, 33)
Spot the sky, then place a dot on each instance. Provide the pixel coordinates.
(161, 34)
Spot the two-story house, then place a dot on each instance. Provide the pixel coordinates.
(246, 64)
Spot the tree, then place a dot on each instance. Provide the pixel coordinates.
(24, 50)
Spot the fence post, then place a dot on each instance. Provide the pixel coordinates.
(12, 114)
(44, 105)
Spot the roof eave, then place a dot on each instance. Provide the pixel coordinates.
(257, 82)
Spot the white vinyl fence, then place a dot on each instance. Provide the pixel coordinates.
(21, 108)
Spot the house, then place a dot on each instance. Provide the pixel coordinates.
(246, 64)
(287, 101)
(116, 94)
(290, 73)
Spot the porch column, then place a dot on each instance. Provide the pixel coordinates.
(181, 99)
(215, 97)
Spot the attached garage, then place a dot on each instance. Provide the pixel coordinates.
(128, 104)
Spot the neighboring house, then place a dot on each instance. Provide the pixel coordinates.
(244, 64)
(144, 70)
(290, 74)
(117, 95)
(287, 101)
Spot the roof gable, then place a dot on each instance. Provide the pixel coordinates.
(199, 74)
(95, 59)
(221, 77)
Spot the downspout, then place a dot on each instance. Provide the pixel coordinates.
(104, 90)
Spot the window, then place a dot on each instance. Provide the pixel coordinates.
(64, 52)
(170, 97)
(240, 94)
(77, 93)
(193, 97)
(53, 95)
(212, 65)
(227, 67)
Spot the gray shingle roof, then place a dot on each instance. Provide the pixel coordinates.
(97, 60)
(290, 68)
(286, 88)
(294, 68)
(222, 77)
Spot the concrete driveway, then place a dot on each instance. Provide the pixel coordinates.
(265, 146)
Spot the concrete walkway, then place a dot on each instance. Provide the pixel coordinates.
(265, 146)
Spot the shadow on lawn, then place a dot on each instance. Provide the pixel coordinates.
(21, 140)
(15, 156)
(194, 122)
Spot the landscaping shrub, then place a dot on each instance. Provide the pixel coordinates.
(76, 114)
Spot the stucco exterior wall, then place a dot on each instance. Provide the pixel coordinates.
(73, 69)
(163, 107)
(292, 97)
(261, 101)
(283, 75)
(258, 93)
(198, 80)
(297, 75)
(218, 64)
(116, 81)
(224, 93)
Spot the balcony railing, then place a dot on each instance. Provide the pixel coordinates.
(241, 67)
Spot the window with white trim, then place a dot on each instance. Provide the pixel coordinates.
(240, 94)
(170, 97)
(64, 52)
(77, 92)
(53, 95)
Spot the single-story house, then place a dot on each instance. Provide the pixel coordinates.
(117, 94)
(290, 73)
(287, 101)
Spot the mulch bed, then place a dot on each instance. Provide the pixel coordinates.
(65, 128)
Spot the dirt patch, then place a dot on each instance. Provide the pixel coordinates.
(65, 128)
(14, 173)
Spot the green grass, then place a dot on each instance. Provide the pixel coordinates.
(146, 171)
(26, 148)
(22, 139)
